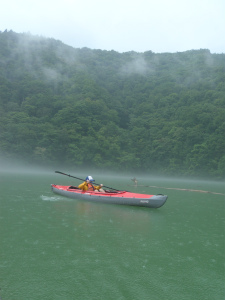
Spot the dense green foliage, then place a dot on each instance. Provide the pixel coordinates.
(119, 111)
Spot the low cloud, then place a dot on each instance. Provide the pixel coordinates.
(136, 66)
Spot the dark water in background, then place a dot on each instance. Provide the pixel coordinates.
(54, 248)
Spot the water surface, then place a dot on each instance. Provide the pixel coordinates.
(57, 248)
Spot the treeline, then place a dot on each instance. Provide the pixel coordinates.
(162, 113)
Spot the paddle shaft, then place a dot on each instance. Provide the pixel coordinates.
(83, 180)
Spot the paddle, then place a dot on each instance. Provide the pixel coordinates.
(84, 180)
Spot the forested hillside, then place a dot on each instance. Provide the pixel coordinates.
(162, 113)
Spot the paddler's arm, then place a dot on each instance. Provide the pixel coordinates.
(83, 186)
(98, 187)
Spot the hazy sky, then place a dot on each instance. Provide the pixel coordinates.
(121, 25)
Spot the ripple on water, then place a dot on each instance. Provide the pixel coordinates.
(52, 198)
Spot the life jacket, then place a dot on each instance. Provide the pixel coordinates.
(91, 187)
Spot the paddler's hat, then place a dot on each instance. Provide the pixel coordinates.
(89, 178)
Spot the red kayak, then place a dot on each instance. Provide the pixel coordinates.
(111, 197)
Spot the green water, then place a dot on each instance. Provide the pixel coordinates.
(54, 248)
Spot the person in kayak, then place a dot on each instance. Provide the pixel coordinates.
(87, 185)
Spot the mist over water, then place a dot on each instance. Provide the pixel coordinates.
(23, 167)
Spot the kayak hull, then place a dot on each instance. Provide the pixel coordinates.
(120, 197)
